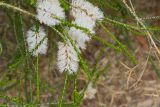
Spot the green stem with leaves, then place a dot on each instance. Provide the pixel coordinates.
(37, 81)
(63, 91)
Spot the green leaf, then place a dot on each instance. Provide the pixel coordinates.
(18, 27)
(16, 60)
(121, 46)
(20, 54)
(3, 105)
(77, 97)
(65, 5)
(6, 84)
(17, 101)
(32, 2)
(1, 48)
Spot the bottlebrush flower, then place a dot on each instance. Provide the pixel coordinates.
(85, 22)
(85, 15)
(47, 9)
(67, 58)
(79, 37)
(85, 8)
(37, 37)
(90, 92)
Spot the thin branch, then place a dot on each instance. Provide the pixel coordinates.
(143, 25)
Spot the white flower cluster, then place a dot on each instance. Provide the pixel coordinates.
(85, 15)
(47, 10)
(81, 8)
(90, 93)
(37, 37)
(67, 58)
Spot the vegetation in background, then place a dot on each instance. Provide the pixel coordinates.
(23, 71)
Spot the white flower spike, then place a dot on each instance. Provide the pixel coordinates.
(67, 58)
(90, 92)
(47, 9)
(85, 15)
(34, 37)
(85, 8)
(79, 37)
(85, 22)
